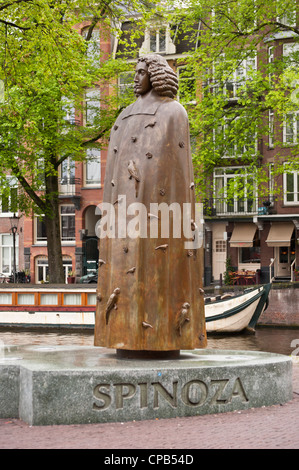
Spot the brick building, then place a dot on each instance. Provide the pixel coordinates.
(257, 233)
(80, 191)
(81, 183)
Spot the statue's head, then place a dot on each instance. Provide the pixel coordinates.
(153, 71)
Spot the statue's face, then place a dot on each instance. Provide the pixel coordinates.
(142, 82)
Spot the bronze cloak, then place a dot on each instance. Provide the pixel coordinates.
(153, 277)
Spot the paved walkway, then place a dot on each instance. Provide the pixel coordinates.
(273, 427)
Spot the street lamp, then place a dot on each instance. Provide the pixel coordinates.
(14, 222)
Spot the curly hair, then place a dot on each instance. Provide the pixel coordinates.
(162, 77)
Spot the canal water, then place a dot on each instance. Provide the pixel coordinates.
(269, 339)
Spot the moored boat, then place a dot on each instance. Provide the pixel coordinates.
(75, 307)
(239, 313)
(48, 306)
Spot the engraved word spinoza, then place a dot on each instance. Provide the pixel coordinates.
(194, 393)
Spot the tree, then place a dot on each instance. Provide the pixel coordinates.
(242, 82)
(45, 67)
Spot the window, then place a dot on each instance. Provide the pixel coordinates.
(69, 110)
(67, 266)
(67, 217)
(49, 299)
(67, 180)
(271, 128)
(234, 139)
(291, 128)
(270, 61)
(6, 299)
(93, 46)
(126, 84)
(288, 17)
(291, 187)
(187, 85)
(72, 299)
(93, 167)
(26, 299)
(270, 54)
(67, 225)
(290, 52)
(238, 78)
(91, 299)
(291, 59)
(228, 182)
(271, 181)
(231, 85)
(41, 235)
(92, 106)
(9, 198)
(251, 254)
(39, 177)
(220, 246)
(7, 254)
(158, 39)
(42, 268)
(67, 169)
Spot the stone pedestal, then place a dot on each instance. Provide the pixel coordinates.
(45, 385)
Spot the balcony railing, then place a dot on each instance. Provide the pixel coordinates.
(69, 186)
(238, 206)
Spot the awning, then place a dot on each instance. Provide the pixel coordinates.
(280, 234)
(243, 235)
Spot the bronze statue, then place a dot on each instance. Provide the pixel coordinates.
(149, 287)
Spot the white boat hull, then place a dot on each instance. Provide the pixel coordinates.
(235, 314)
(49, 318)
(235, 323)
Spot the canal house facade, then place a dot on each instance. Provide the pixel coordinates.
(254, 234)
(258, 234)
(80, 191)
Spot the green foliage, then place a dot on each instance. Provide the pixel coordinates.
(234, 97)
(227, 278)
(52, 53)
(46, 65)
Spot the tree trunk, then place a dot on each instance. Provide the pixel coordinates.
(52, 221)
